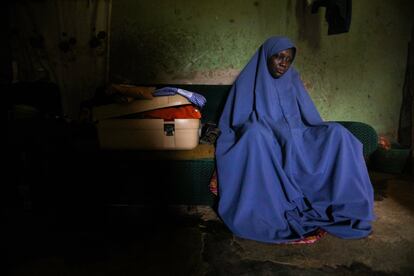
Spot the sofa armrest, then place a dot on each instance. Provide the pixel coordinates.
(364, 133)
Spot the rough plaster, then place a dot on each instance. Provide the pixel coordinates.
(353, 76)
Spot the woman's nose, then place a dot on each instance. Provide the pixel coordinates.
(283, 63)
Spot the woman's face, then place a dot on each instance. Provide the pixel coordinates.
(279, 63)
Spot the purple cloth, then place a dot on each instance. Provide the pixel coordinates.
(282, 171)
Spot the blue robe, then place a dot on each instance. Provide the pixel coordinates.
(282, 171)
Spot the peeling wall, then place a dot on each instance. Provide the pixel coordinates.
(354, 76)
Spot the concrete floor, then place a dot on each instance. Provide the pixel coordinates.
(192, 241)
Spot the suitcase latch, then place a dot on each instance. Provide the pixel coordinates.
(169, 129)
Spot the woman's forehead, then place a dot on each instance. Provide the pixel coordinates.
(286, 52)
(276, 44)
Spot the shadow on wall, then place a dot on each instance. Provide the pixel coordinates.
(309, 25)
(153, 54)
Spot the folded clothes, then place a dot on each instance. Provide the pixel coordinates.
(193, 97)
(170, 113)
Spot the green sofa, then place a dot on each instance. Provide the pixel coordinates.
(185, 175)
(62, 167)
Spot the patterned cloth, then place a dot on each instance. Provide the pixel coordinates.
(213, 183)
(209, 133)
(195, 98)
(175, 112)
(311, 238)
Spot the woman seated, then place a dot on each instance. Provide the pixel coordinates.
(283, 173)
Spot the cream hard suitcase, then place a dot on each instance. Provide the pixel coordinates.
(116, 132)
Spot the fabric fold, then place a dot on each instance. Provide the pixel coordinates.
(283, 172)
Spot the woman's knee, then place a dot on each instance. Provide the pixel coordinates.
(256, 130)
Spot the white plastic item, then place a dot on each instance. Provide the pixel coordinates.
(145, 134)
(148, 134)
(119, 109)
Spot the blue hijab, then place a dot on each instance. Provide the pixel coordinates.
(283, 172)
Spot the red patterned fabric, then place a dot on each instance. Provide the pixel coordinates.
(310, 239)
(176, 112)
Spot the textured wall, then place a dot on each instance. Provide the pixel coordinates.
(352, 76)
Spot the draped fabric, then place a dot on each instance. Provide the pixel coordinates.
(283, 172)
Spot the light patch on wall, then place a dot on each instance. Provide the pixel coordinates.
(209, 42)
(216, 77)
(219, 76)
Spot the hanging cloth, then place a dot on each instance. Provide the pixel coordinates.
(338, 14)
